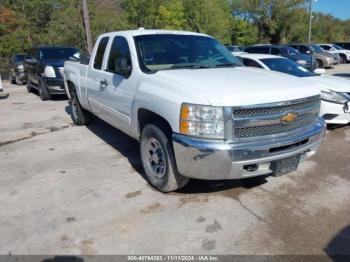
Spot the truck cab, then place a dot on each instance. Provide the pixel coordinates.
(195, 109)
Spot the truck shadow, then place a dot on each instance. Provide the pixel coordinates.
(130, 149)
(338, 248)
(342, 75)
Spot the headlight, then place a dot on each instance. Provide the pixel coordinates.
(202, 121)
(331, 96)
(49, 71)
(301, 62)
(20, 68)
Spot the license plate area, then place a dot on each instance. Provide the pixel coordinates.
(284, 166)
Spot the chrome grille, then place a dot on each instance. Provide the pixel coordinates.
(264, 120)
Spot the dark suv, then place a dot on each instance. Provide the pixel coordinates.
(18, 76)
(44, 68)
(304, 60)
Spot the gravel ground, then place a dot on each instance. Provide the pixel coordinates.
(80, 190)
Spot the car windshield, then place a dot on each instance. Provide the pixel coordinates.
(316, 49)
(170, 51)
(19, 58)
(58, 53)
(338, 47)
(286, 66)
(289, 50)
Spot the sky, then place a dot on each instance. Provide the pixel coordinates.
(337, 8)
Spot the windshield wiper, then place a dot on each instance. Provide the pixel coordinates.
(225, 65)
(189, 66)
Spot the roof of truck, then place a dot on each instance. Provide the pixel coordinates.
(142, 31)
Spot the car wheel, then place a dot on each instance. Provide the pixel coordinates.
(43, 91)
(342, 59)
(29, 86)
(18, 82)
(158, 160)
(319, 64)
(79, 115)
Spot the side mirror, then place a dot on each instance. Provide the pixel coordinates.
(308, 52)
(121, 67)
(320, 71)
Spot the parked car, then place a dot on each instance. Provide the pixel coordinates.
(335, 106)
(44, 68)
(345, 45)
(323, 59)
(234, 50)
(335, 49)
(17, 74)
(195, 110)
(305, 60)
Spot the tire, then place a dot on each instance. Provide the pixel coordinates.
(160, 169)
(18, 82)
(43, 91)
(319, 64)
(79, 115)
(342, 59)
(29, 86)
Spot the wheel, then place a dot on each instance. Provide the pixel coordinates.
(43, 92)
(342, 59)
(79, 115)
(29, 87)
(158, 160)
(319, 64)
(13, 81)
(18, 82)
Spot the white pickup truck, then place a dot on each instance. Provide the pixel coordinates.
(197, 112)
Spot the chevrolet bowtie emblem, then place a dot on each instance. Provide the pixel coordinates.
(288, 118)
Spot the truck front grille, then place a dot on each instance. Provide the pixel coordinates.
(274, 119)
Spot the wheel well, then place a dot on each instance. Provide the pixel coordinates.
(320, 62)
(342, 55)
(145, 117)
(71, 86)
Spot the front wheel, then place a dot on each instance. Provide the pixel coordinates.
(43, 91)
(158, 160)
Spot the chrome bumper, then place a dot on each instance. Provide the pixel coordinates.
(213, 160)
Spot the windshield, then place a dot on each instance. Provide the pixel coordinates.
(316, 49)
(289, 50)
(338, 47)
(286, 66)
(169, 51)
(19, 58)
(58, 53)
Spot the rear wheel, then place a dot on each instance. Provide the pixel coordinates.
(80, 116)
(319, 64)
(29, 86)
(43, 91)
(342, 59)
(158, 160)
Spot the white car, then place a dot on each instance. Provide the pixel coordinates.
(335, 91)
(335, 49)
(235, 50)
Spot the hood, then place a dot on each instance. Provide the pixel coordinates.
(326, 82)
(327, 54)
(236, 86)
(53, 63)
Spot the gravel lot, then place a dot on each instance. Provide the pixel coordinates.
(80, 190)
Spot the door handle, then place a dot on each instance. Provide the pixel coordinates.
(103, 83)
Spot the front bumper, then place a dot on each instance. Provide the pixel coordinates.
(334, 113)
(214, 160)
(55, 86)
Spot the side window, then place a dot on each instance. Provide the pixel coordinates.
(275, 51)
(100, 53)
(250, 63)
(303, 49)
(119, 48)
(326, 47)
